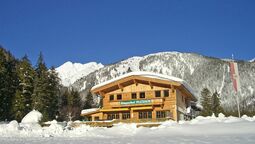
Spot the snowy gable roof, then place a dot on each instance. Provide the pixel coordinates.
(89, 111)
(149, 75)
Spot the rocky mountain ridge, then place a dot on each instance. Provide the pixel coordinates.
(197, 70)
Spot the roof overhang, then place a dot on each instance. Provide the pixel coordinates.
(143, 77)
(89, 113)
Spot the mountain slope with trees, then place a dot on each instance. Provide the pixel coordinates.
(197, 70)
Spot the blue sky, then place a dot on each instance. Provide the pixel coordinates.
(112, 30)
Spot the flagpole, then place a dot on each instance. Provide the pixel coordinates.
(237, 97)
(238, 107)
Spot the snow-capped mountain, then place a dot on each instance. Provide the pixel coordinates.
(197, 70)
(70, 72)
(253, 60)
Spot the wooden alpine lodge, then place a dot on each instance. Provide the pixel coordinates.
(142, 97)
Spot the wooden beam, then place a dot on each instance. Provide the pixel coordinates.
(155, 80)
(112, 84)
(150, 83)
(135, 82)
(101, 93)
(172, 89)
(120, 87)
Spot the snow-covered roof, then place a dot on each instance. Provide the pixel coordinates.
(149, 75)
(87, 111)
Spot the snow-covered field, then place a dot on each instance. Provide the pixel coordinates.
(200, 130)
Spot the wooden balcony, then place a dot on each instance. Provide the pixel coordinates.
(137, 102)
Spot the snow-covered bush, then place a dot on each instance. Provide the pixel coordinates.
(32, 117)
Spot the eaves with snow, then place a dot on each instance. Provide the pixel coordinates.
(149, 75)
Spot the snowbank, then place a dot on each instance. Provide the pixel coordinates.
(54, 129)
(13, 125)
(199, 126)
(32, 117)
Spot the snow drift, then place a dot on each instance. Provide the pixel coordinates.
(198, 126)
(32, 117)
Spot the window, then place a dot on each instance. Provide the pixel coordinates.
(112, 116)
(89, 118)
(126, 115)
(119, 97)
(166, 93)
(145, 115)
(96, 118)
(111, 97)
(133, 95)
(160, 114)
(164, 114)
(157, 93)
(142, 94)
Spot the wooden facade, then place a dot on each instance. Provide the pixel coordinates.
(138, 98)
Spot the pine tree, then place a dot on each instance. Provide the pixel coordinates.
(18, 105)
(41, 93)
(76, 104)
(40, 66)
(63, 109)
(216, 107)
(89, 101)
(2, 80)
(22, 101)
(76, 98)
(206, 102)
(129, 70)
(53, 89)
(64, 98)
(71, 105)
(8, 83)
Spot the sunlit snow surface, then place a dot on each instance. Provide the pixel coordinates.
(32, 117)
(70, 72)
(86, 111)
(200, 130)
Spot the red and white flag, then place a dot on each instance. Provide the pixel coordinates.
(235, 76)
